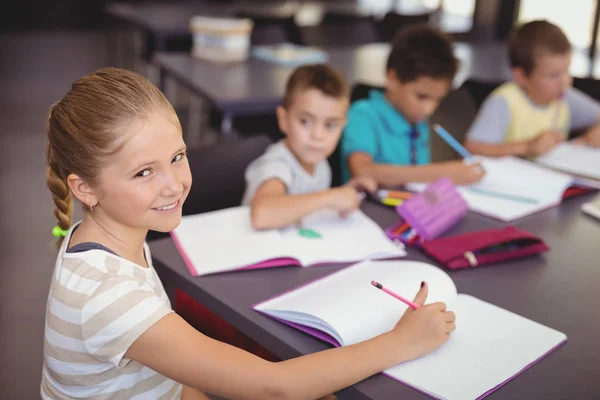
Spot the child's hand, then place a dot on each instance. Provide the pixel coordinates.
(543, 143)
(592, 137)
(344, 199)
(363, 183)
(425, 329)
(462, 173)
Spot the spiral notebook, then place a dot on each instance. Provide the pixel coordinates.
(224, 240)
(490, 346)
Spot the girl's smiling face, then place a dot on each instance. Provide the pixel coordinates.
(144, 185)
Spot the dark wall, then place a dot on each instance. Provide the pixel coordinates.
(26, 15)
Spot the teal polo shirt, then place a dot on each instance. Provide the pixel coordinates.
(375, 127)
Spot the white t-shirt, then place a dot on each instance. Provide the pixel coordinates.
(98, 305)
(278, 162)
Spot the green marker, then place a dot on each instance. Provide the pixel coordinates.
(309, 233)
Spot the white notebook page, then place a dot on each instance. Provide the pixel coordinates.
(516, 178)
(350, 239)
(225, 240)
(489, 346)
(573, 158)
(349, 303)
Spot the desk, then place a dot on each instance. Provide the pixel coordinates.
(165, 20)
(256, 86)
(558, 289)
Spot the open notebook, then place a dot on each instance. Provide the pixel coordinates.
(574, 159)
(224, 240)
(489, 347)
(513, 188)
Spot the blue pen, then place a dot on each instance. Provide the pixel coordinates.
(452, 142)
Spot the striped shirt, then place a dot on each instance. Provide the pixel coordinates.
(98, 305)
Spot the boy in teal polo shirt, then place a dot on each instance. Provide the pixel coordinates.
(387, 135)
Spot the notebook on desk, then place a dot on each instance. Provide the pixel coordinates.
(489, 347)
(513, 188)
(225, 240)
(576, 159)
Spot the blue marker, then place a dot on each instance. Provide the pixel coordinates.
(452, 142)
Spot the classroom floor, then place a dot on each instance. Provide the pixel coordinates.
(36, 69)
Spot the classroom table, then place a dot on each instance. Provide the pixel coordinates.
(257, 87)
(558, 289)
(166, 20)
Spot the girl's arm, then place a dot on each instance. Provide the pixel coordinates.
(273, 208)
(175, 349)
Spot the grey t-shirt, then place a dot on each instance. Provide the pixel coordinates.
(493, 119)
(278, 162)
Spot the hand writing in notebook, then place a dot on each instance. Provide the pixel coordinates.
(462, 173)
(591, 137)
(425, 329)
(543, 143)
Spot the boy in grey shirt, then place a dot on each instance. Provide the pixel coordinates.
(293, 178)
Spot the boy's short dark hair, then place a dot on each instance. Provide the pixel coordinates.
(316, 76)
(534, 38)
(422, 51)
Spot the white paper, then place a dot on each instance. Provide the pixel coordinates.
(490, 344)
(225, 240)
(573, 158)
(354, 308)
(512, 177)
(350, 239)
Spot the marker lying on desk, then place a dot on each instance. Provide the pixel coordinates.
(394, 194)
(402, 299)
(452, 142)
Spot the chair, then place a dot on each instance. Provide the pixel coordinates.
(359, 91)
(392, 22)
(589, 86)
(218, 173)
(479, 90)
(456, 113)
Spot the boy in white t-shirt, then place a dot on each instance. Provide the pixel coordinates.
(293, 178)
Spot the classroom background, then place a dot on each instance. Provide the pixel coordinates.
(45, 45)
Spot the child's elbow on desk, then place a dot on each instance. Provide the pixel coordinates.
(260, 217)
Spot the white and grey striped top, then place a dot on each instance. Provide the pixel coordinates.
(98, 305)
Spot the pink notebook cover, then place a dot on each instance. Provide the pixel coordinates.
(329, 339)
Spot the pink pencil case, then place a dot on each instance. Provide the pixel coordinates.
(433, 211)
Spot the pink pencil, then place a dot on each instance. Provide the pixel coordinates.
(388, 291)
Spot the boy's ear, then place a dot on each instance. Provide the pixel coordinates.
(282, 119)
(82, 191)
(391, 78)
(519, 75)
